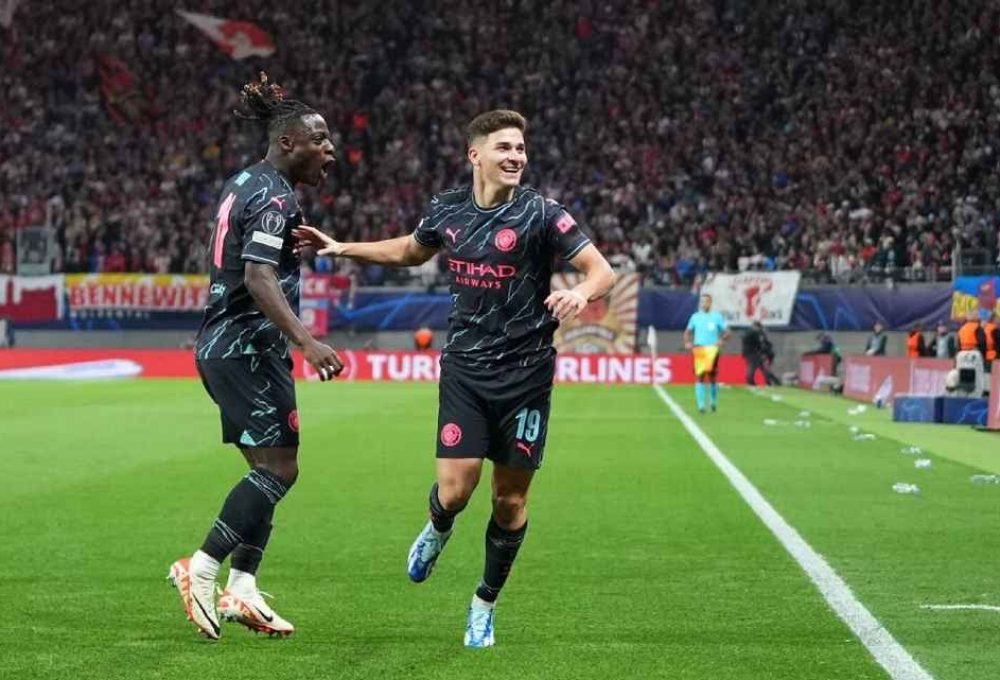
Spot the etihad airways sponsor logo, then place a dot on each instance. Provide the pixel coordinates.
(480, 274)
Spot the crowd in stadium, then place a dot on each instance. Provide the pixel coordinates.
(830, 136)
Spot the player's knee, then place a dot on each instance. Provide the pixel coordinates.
(508, 506)
(286, 470)
(455, 493)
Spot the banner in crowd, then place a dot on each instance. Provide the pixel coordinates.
(125, 98)
(605, 325)
(238, 39)
(31, 299)
(767, 297)
(975, 293)
(813, 368)
(879, 379)
(135, 295)
(360, 365)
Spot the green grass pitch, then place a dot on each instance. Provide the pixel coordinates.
(641, 560)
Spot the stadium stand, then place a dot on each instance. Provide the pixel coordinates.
(850, 140)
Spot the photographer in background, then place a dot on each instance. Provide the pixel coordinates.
(758, 353)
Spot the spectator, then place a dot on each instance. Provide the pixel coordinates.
(943, 345)
(971, 336)
(875, 347)
(916, 345)
(423, 338)
(991, 334)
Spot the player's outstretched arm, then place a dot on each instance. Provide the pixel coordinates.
(262, 282)
(598, 278)
(403, 251)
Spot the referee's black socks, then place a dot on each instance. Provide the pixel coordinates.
(501, 550)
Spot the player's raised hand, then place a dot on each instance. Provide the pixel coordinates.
(311, 237)
(565, 304)
(322, 357)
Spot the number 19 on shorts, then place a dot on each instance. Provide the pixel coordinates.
(529, 424)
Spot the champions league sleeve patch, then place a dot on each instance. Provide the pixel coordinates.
(272, 222)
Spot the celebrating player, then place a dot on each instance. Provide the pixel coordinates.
(705, 335)
(498, 363)
(243, 355)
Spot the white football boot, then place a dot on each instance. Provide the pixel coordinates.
(479, 627)
(197, 592)
(248, 608)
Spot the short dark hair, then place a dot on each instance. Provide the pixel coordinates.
(491, 121)
(265, 103)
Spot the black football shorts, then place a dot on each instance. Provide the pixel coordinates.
(256, 398)
(501, 414)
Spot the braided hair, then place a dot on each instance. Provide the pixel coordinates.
(265, 103)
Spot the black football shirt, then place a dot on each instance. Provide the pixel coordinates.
(499, 265)
(256, 214)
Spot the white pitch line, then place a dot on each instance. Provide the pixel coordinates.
(946, 607)
(873, 635)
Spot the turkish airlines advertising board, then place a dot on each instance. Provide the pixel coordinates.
(361, 365)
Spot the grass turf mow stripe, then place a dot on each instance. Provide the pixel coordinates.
(897, 662)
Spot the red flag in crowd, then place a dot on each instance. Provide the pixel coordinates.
(238, 39)
(124, 99)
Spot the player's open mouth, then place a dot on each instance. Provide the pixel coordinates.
(325, 169)
(510, 170)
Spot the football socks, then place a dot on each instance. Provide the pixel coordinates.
(441, 518)
(501, 550)
(246, 556)
(248, 504)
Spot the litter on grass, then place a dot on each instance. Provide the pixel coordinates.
(975, 607)
(985, 479)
